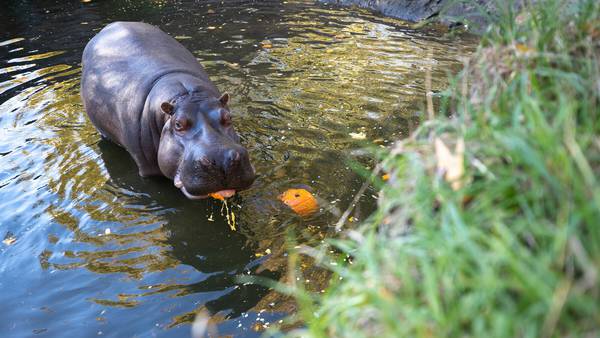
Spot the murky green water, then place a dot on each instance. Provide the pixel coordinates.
(101, 251)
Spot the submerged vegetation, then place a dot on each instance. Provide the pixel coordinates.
(487, 226)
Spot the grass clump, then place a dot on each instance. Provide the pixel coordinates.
(510, 248)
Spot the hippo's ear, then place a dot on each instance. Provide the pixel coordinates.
(167, 108)
(224, 99)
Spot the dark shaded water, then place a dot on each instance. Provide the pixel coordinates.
(100, 251)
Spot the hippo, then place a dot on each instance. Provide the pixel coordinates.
(146, 92)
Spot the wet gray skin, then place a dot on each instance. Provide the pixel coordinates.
(143, 90)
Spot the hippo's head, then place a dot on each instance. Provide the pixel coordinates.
(200, 150)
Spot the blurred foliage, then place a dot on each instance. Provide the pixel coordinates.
(513, 250)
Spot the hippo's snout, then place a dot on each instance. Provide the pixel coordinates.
(225, 170)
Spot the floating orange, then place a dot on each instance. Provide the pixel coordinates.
(300, 200)
(385, 177)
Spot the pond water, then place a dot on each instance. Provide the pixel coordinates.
(90, 248)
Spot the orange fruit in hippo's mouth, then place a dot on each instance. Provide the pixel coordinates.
(217, 196)
(223, 194)
(300, 200)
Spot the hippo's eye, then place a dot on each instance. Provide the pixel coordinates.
(180, 125)
(225, 118)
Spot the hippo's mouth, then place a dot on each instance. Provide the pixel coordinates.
(179, 184)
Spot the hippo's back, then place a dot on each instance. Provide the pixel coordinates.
(120, 66)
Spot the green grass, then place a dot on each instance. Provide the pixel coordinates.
(514, 252)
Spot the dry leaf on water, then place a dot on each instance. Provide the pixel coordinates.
(358, 136)
(266, 44)
(9, 238)
(452, 165)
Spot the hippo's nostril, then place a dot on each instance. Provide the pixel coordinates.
(234, 156)
(205, 161)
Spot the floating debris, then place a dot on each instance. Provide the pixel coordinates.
(9, 238)
(266, 44)
(358, 136)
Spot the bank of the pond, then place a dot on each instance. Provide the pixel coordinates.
(488, 225)
(475, 14)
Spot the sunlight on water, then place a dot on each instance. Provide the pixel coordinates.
(100, 250)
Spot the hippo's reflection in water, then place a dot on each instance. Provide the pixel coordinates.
(181, 235)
